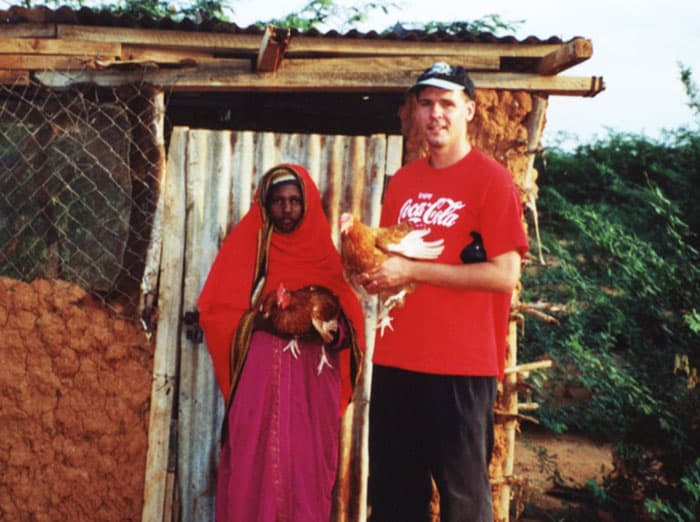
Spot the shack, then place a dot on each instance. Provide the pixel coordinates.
(128, 149)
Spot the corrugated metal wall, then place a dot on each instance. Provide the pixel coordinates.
(221, 171)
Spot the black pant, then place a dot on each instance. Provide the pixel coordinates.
(424, 426)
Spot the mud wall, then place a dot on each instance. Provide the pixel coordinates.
(75, 385)
(499, 128)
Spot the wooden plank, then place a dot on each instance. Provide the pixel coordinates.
(364, 66)
(200, 403)
(13, 77)
(195, 78)
(556, 85)
(223, 42)
(301, 45)
(45, 62)
(246, 167)
(57, 47)
(236, 76)
(566, 56)
(378, 66)
(28, 30)
(165, 355)
(272, 49)
(525, 368)
(139, 53)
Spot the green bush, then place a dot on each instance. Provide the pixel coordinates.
(619, 220)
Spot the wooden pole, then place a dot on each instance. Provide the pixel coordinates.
(359, 449)
(529, 187)
(528, 367)
(509, 402)
(170, 309)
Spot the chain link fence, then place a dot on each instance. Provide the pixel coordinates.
(79, 172)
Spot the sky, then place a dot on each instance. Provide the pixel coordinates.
(636, 49)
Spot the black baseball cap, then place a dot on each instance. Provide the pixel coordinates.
(445, 76)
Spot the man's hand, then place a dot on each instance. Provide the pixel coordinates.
(393, 273)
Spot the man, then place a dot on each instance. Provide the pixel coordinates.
(434, 377)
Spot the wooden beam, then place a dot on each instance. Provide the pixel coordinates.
(28, 30)
(567, 56)
(167, 341)
(587, 86)
(138, 53)
(235, 75)
(9, 77)
(33, 62)
(383, 65)
(223, 42)
(272, 49)
(57, 47)
(528, 186)
(366, 66)
(528, 367)
(383, 47)
(201, 78)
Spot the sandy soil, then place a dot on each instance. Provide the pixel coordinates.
(540, 455)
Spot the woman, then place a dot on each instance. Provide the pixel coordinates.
(279, 455)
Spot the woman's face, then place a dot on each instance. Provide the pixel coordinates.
(285, 206)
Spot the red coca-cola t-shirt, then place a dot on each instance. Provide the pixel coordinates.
(441, 330)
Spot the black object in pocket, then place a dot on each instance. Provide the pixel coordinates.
(474, 252)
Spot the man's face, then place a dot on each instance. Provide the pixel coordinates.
(443, 116)
(285, 206)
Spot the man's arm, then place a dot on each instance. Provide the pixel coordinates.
(499, 274)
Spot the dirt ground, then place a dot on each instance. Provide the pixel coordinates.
(540, 454)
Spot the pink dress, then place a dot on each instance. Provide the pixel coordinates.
(279, 460)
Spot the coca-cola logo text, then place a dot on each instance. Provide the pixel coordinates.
(442, 212)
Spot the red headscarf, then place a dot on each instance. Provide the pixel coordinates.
(254, 251)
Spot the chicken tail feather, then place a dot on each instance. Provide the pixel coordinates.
(413, 245)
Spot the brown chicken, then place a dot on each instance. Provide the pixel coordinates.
(363, 247)
(305, 312)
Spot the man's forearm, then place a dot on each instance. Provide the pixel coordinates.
(499, 274)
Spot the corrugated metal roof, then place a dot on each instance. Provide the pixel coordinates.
(104, 18)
